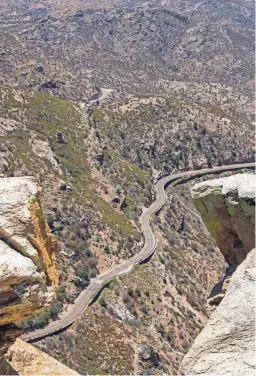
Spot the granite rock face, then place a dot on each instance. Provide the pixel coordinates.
(226, 346)
(227, 206)
(28, 360)
(28, 270)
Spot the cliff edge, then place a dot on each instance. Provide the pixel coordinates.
(28, 360)
(227, 206)
(28, 270)
(226, 346)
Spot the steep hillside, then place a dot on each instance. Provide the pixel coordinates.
(48, 138)
(164, 133)
(153, 314)
(27, 360)
(99, 99)
(77, 46)
(96, 167)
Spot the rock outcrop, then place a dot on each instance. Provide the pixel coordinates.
(226, 346)
(28, 270)
(28, 360)
(227, 206)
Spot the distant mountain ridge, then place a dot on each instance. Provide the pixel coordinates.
(100, 99)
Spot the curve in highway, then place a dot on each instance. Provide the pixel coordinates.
(87, 295)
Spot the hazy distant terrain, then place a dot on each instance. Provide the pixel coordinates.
(128, 47)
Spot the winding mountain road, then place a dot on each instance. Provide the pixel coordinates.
(87, 295)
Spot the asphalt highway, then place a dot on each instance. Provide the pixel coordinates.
(87, 295)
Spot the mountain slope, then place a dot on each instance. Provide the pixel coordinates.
(98, 100)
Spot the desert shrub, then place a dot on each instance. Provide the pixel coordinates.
(169, 336)
(58, 228)
(130, 305)
(126, 298)
(134, 322)
(92, 273)
(190, 314)
(107, 249)
(194, 247)
(161, 329)
(103, 302)
(103, 310)
(42, 319)
(50, 221)
(144, 309)
(82, 273)
(69, 298)
(185, 344)
(55, 308)
(60, 292)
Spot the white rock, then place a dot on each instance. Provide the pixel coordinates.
(28, 272)
(243, 184)
(226, 346)
(227, 206)
(14, 266)
(15, 217)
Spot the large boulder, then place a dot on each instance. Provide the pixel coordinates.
(28, 270)
(227, 206)
(226, 346)
(28, 360)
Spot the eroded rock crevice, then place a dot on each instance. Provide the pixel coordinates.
(227, 207)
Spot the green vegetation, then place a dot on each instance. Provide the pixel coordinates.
(99, 340)
(43, 318)
(185, 140)
(55, 308)
(46, 115)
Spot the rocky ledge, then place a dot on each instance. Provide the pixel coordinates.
(227, 206)
(28, 360)
(226, 346)
(28, 270)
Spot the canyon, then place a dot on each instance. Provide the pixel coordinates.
(100, 101)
